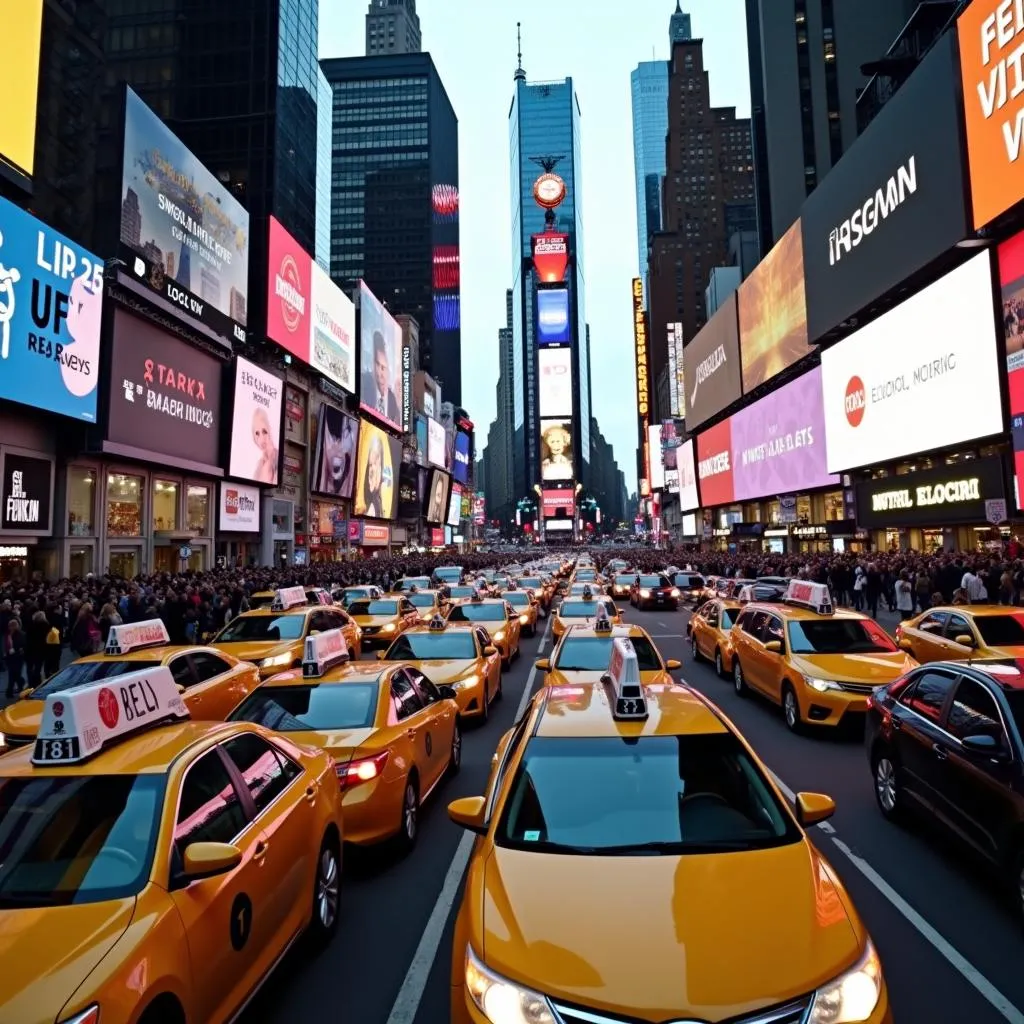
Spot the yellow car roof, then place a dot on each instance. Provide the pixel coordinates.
(149, 653)
(348, 672)
(977, 610)
(449, 627)
(301, 609)
(788, 611)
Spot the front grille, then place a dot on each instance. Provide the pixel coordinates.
(788, 1013)
(865, 688)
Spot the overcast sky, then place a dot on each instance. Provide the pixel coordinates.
(598, 44)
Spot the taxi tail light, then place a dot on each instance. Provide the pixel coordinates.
(361, 769)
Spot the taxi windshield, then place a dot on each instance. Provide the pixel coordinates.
(578, 609)
(301, 708)
(517, 598)
(478, 613)
(650, 795)
(72, 839)
(459, 592)
(413, 581)
(456, 646)
(262, 628)
(354, 595)
(422, 600)
(1000, 630)
(82, 672)
(452, 574)
(373, 608)
(592, 654)
(531, 582)
(624, 580)
(838, 636)
(586, 574)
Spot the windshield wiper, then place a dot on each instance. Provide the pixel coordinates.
(674, 848)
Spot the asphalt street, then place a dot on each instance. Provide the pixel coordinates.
(950, 949)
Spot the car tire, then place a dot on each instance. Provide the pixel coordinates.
(409, 823)
(323, 924)
(719, 664)
(886, 783)
(351, 654)
(500, 691)
(791, 709)
(455, 757)
(694, 648)
(739, 684)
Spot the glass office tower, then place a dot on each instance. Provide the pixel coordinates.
(649, 87)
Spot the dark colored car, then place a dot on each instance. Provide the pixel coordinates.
(622, 584)
(651, 591)
(690, 585)
(945, 741)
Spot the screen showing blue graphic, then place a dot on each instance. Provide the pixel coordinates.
(553, 316)
(51, 307)
(460, 465)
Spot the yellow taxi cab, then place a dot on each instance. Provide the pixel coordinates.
(819, 664)
(710, 630)
(579, 589)
(959, 632)
(586, 575)
(627, 838)
(391, 733)
(622, 583)
(457, 655)
(266, 598)
(408, 583)
(383, 618)
(156, 868)
(427, 603)
(460, 592)
(367, 592)
(526, 606)
(584, 650)
(543, 588)
(496, 616)
(272, 638)
(211, 682)
(580, 609)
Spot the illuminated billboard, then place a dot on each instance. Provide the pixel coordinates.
(553, 327)
(19, 82)
(550, 256)
(554, 381)
(556, 449)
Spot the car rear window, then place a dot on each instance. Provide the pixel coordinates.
(82, 672)
(653, 581)
(455, 646)
(1001, 630)
(478, 613)
(317, 706)
(373, 608)
(592, 654)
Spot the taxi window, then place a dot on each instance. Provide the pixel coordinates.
(592, 654)
(73, 839)
(728, 617)
(260, 601)
(262, 629)
(478, 613)
(531, 582)
(1001, 630)
(364, 607)
(838, 636)
(927, 695)
(653, 581)
(353, 595)
(934, 623)
(1015, 699)
(460, 592)
(656, 794)
(301, 708)
(517, 599)
(958, 626)
(974, 713)
(579, 609)
(404, 696)
(209, 810)
(83, 672)
(426, 646)
(624, 581)
(422, 600)
(265, 770)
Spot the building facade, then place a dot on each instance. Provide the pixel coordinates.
(392, 26)
(395, 198)
(649, 92)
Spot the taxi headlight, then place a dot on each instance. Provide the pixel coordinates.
(499, 636)
(645, 593)
(851, 997)
(821, 685)
(389, 628)
(469, 681)
(277, 661)
(524, 619)
(500, 1000)
(674, 592)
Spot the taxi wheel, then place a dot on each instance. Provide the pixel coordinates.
(887, 785)
(739, 684)
(694, 647)
(409, 829)
(326, 893)
(791, 709)
(719, 666)
(500, 691)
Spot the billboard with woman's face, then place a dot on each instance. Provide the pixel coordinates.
(255, 424)
(556, 449)
(437, 497)
(334, 469)
(377, 473)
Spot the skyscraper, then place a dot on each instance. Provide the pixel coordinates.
(678, 27)
(392, 26)
(395, 196)
(649, 88)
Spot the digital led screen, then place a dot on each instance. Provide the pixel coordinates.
(553, 320)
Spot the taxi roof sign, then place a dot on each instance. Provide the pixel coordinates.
(602, 622)
(136, 635)
(588, 593)
(813, 596)
(80, 722)
(437, 624)
(322, 651)
(288, 597)
(628, 700)
(324, 597)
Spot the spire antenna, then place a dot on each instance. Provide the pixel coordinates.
(520, 75)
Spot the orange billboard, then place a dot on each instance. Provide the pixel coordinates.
(773, 312)
(990, 34)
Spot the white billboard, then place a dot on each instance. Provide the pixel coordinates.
(921, 377)
(436, 444)
(657, 458)
(687, 467)
(554, 376)
(239, 508)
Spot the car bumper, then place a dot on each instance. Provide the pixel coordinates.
(373, 811)
(831, 708)
(470, 699)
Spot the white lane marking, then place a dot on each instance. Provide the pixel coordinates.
(959, 963)
(407, 1002)
(666, 636)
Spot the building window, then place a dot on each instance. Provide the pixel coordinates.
(165, 506)
(198, 510)
(124, 505)
(81, 501)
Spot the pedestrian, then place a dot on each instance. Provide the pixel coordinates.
(14, 656)
(974, 587)
(35, 647)
(86, 637)
(904, 596)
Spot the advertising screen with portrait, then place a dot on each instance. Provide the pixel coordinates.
(186, 236)
(554, 381)
(376, 490)
(773, 312)
(687, 470)
(380, 353)
(454, 505)
(337, 447)
(460, 461)
(255, 424)
(553, 320)
(436, 503)
(436, 444)
(556, 449)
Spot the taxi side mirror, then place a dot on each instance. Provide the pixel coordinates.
(447, 692)
(380, 655)
(489, 650)
(181, 689)
(544, 664)
(775, 646)
(905, 645)
(26, 693)
(812, 808)
(965, 640)
(671, 665)
(205, 860)
(468, 813)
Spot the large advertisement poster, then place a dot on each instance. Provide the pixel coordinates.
(550, 256)
(332, 342)
(187, 234)
(377, 473)
(558, 502)
(380, 352)
(553, 320)
(239, 509)
(460, 461)
(436, 444)
(894, 202)
(255, 424)
(166, 395)
(714, 465)
(689, 498)
(657, 457)
(454, 506)
(713, 366)
(19, 82)
(554, 382)
(334, 467)
(922, 377)
(51, 310)
(437, 497)
(1011, 281)
(773, 312)
(556, 450)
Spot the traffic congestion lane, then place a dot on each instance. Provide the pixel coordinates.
(911, 877)
(387, 901)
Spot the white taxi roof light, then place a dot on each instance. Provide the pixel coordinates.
(628, 700)
(588, 594)
(323, 597)
(288, 597)
(813, 596)
(746, 594)
(602, 624)
(79, 723)
(437, 624)
(322, 651)
(137, 635)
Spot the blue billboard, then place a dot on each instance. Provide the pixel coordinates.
(460, 464)
(553, 316)
(51, 309)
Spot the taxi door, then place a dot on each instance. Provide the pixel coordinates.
(751, 641)
(441, 715)
(959, 625)
(926, 640)
(414, 719)
(704, 630)
(492, 663)
(219, 687)
(218, 914)
(774, 663)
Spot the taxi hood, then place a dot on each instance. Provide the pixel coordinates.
(878, 668)
(256, 650)
(444, 671)
(374, 620)
(22, 718)
(779, 913)
(61, 946)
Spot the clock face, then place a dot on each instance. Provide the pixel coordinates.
(549, 189)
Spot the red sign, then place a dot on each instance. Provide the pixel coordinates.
(376, 536)
(289, 290)
(550, 256)
(106, 704)
(437, 537)
(556, 501)
(714, 465)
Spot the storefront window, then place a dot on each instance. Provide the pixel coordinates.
(774, 512)
(165, 505)
(124, 506)
(803, 509)
(834, 506)
(81, 501)
(81, 561)
(199, 510)
(124, 563)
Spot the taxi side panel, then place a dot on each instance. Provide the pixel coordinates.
(220, 695)
(373, 810)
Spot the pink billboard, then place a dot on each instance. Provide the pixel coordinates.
(778, 443)
(289, 288)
